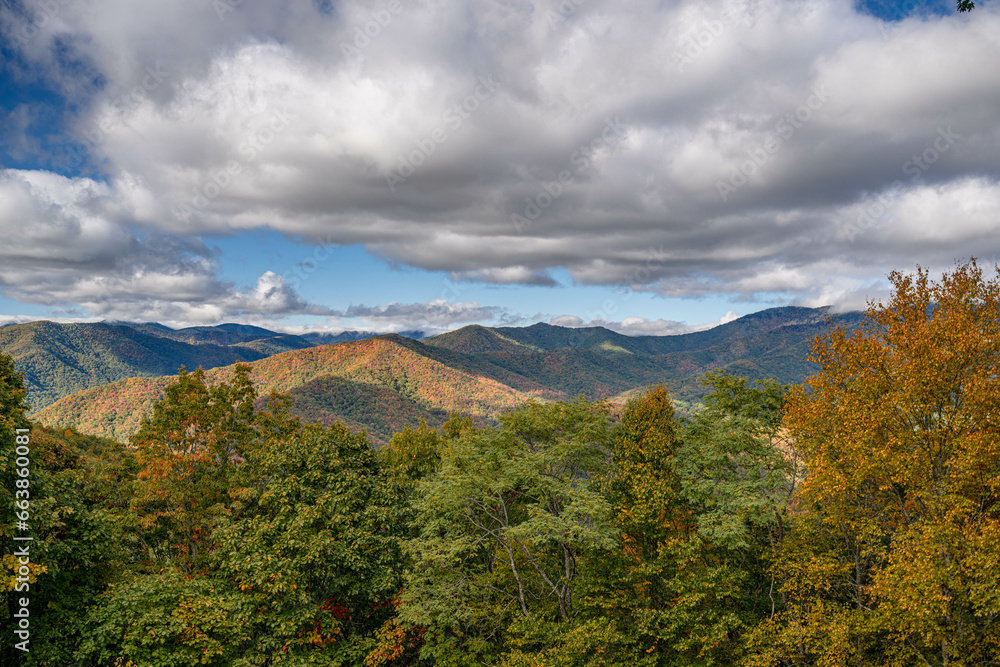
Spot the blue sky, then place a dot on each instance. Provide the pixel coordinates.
(650, 167)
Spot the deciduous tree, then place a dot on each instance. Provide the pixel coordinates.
(71, 551)
(506, 527)
(186, 454)
(695, 503)
(313, 547)
(895, 554)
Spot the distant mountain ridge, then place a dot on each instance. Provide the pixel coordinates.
(540, 337)
(60, 359)
(427, 387)
(388, 381)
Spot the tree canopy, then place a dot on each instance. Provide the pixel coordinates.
(894, 557)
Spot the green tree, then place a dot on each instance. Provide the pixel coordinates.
(506, 527)
(166, 619)
(13, 398)
(410, 456)
(72, 546)
(254, 540)
(894, 556)
(413, 453)
(13, 407)
(165, 493)
(314, 545)
(695, 504)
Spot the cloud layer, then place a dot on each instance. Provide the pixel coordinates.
(767, 150)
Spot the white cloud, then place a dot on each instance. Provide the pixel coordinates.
(438, 313)
(272, 296)
(429, 318)
(77, 242)
(612, 147)
(640, 326)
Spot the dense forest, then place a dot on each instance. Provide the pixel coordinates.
(849, 520)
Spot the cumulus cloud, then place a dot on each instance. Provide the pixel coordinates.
(273, 296)
(81, 242)
(640, 326)
(773, 151)
(428, 318)
(437, 315)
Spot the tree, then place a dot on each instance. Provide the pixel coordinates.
(894, 557)
(255, 540)
(13, 407)
(315, 546)
(186, 454)
(411, 455)
(13, 397)
(507, 525)
(166, 493)
(414, 453)
(695, 503)
(166, 619)
(71, 547)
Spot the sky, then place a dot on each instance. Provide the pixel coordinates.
(398, 165)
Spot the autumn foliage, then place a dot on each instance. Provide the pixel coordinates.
(895, 557)
(852, 520)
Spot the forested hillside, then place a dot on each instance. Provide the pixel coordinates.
(478, 371)
(384, 364)
(852, 519)
(60, 359)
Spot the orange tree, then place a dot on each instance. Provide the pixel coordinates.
(894, 557)
(186, 454)
(165, 493)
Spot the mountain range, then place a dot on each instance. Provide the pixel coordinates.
(102, 378)
(61, 359)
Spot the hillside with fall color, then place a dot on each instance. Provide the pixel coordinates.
(774, 525)
(385, 383)
(383, 366)
(61, 359)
